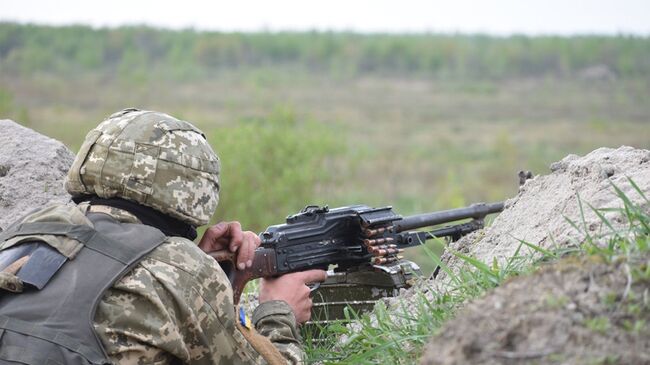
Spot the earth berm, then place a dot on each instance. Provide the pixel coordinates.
(579, 310)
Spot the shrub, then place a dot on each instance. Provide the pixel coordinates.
(271, 167)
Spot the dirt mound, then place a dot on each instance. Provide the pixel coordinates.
(32, 169)
(538, 214)
(579, 311)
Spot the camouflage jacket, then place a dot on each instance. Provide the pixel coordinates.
(177, 304)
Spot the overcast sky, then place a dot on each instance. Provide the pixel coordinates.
(499, 17)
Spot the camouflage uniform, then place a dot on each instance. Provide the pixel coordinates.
(177, 302)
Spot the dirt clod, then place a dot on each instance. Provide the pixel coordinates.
(32, 170)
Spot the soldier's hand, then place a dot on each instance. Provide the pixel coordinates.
(293, 289)
(229, 235)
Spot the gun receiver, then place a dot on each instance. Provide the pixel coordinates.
(348, 237)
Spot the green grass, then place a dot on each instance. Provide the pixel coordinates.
(340, 119)
(398, 336)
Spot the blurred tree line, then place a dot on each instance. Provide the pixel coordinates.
(189, 54)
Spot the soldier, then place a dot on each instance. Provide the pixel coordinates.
(117, 277)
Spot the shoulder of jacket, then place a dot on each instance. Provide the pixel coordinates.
(178, 264)
(67, 213)
(182, 254)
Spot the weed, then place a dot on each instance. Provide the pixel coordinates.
(634, 326)
(556, 302)
(598, 324)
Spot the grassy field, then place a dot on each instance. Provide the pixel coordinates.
(418, 144)
(294, 130)
(414, 143)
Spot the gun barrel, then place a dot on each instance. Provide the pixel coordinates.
(476, 211)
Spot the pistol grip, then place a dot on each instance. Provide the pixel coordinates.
(264, 265)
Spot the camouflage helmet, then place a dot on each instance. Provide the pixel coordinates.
(150, 158)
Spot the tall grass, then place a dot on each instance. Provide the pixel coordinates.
(398, 335)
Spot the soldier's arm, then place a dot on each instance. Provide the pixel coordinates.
(275, 320)
(285, 302)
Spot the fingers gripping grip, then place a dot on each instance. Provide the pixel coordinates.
(264, 265)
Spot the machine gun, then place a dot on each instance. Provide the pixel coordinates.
(359, 240)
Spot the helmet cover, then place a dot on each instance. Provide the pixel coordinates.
(150, 158)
